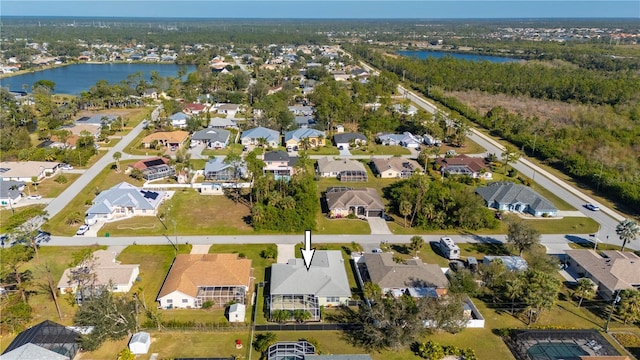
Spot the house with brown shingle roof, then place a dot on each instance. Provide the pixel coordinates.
(610, 270)
(396, 167)
(197, 278)
(166, 138)
(465, 165)
(413, 277)
(365, 202)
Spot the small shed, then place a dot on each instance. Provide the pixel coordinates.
(237, 312)
(140, 342)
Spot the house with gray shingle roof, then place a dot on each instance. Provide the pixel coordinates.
(253, 136)
(212, 138)
(280, 164)
(346, 139)
(413, 277)
(11, 192)
(218, 170)
(610, 270)
(293, 287)
(508, 196)
(125, 200)
(342, 169)
(179, 120)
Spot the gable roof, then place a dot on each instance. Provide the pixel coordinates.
(48, 335)
(32, 352)
(504, 192)
(7, 189)
(354, 197)
(279, 155)
(261, 132)
(300, 134)
(397, 164)
(613, 269)
(342, 138)
(414, 274)
(189, 271)
(472, 163)
(194, 107)
(106, 269)
(330, 165)
(326, 276)
(179, 116)
(212, 135)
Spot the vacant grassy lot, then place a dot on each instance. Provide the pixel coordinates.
(236, 148)
(154, 262)
(194, 214)
(48, 188)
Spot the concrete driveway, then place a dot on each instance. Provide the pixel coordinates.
(286, 252)
(345, 152)
(378, 226)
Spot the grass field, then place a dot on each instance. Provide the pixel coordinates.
(237, 148)
(194, 214)
(48, 188)
(377, 149)
(103, 181)
(341, 226)
(322, 150)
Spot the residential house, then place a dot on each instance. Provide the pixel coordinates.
(465, 165)
(610, 270)
(405, 139)
(346, 140)
(46, 340)
(194, 108)
(26, 170)
(98, 120)
(301, 110)
(304, 138)
(153, 168)
(11, 192)
(360, 73)
(293, 286)
(166, 138)
(195, 279)
(228, 109)
(340, 75)
(342, 169)
(408, 110)
(223, 123)
(339, 128)
(179, 120)
(211, 138)
(396, 167)
(81, 129)
(431, 141)
(217, 169)
(304, 121)
(365, 202)
(125, 200)
(256, 135)
(412, 277)
(107, 271)
(512, 263)
(280, 164)
(508, 196)
(150, 93)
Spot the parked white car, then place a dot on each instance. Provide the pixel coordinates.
(83, 229)
(34, 197)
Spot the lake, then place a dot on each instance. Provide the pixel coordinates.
(423, 54)
(73, 79)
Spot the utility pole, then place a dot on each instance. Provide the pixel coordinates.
(616, 299)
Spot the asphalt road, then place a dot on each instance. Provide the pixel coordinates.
(606, 217)
(57, 204)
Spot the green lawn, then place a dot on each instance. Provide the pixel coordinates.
(194, 214)
(236, 148)
(322, 150)
(103, 181)
(377, 149)
(341, 226)
(49, 188)
(154, 262)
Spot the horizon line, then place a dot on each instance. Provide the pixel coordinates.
(310, 18)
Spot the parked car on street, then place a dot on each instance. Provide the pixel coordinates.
(592, 207)
(83, 229)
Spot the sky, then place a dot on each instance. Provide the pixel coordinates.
(326, 9)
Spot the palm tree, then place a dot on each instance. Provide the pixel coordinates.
(416, 243)
(263, 341)
(513, 289)
(280, 316)
(34, 181)
(117, 156)
(405, 210)
(301, 315)
(627, 230)
(584, 289)
(510, 155)
(372, 291)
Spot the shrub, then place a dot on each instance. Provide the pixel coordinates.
(208, 304)
(61, 179)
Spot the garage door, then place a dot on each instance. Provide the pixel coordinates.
(374, 213)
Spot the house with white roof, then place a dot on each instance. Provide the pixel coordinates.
(405, 139)
(179, 120)
(25, 170)
(107, 271)
(253, 136)
(125, 200)
(325, 283)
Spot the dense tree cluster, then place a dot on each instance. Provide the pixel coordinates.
(439, 204)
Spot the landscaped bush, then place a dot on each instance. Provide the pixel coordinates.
(208, 304)
(433, 351)
(61, 179)
(630, 341)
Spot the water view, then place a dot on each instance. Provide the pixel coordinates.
(73, 79)
(423, 54)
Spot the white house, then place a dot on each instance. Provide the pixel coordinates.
(25, 170)
(126, 200)
(107, 271)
